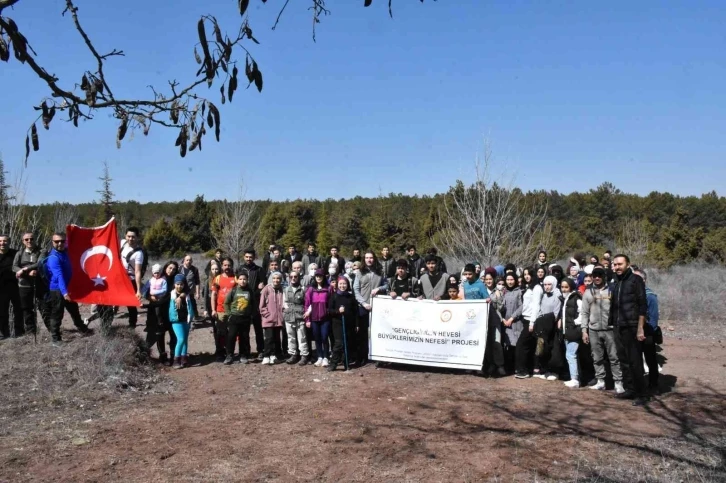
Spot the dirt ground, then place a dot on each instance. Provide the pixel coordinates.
(289, 423)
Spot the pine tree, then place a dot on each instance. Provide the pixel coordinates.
(294, 233)
(324, 239)
(107, 201)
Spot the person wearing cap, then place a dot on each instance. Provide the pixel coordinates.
(180, 318)
(597, 331)
(403, 284)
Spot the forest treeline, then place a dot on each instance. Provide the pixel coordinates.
(664, 229)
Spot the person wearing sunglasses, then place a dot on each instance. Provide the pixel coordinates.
(58, 299)
(8, 291)
(25, 266)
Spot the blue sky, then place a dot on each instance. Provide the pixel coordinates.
(571, 94)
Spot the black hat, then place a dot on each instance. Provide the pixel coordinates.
(598, 272)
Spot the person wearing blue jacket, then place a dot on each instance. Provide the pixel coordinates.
(651, 335)
(58, 299)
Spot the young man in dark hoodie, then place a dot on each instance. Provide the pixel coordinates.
(629, 308)
(387, 262)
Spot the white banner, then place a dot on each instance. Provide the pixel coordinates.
(446, 333)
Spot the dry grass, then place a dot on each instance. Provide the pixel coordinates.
(39, 381)
(692, 300)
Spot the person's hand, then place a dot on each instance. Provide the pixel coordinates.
(261, 286)
(531, 327)
(214, 314)
(420, 297)
(585, 338)
(393, 296)
(206, 314)
(19, 273)
(367, 307)
(641, 334)
(508, 322)
(179, 302)
(32, 273)
(559, 324)
(67, 297)
(285, 306)
(405, 295)
(341, 309)
(489, 300)
(374, 292)
(138, 295)
(437, 298)
(307, 324)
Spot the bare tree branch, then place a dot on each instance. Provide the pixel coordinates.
(488, 222)
(234, 227)
(633, 240)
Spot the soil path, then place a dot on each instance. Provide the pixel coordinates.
(290, 423)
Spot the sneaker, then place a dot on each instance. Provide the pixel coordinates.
(266, 361)
(304, 361)
(660, 369)
(521, 375)
(332, 367)
(57, 343)
(273, 360)
(599, 386)
(293, 360)
(551, 377)
(325, 362)
(539, 375)
(260, 357)
(572, 383)
(177, 363)
(501, 372)
(640, 401)
(243, 360)
(619, 389)
(319, 362)
(86, 321)
(228, 361)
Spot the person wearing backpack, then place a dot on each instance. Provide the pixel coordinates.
(134, 260)
(57, 266)
(32, 290)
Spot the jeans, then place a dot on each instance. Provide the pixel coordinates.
(181, 330)
(572, 359)
(238, 326)
(56, 305)
(321, 330)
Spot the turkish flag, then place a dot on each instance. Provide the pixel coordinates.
(99, 276)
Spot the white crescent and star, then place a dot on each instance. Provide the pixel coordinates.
(97, 250)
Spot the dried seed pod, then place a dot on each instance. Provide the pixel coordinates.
(215, 113)
(84, 82)
(210, 119)
(44, 116)
(196, 56)
(243, 4)
(34, 137)
(221, 91)
(122, 128)
(27, 147)
(4, 50)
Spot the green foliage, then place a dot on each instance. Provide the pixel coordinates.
(324, 239)
(196, 226)
(714, 246)
(165, 238)
(679, 243)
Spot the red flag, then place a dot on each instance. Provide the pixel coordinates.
(99, 276)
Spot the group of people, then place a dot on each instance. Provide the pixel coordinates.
(597, 314)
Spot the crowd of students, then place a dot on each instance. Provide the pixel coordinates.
(593, 320)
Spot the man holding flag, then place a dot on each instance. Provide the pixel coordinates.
(58, 299)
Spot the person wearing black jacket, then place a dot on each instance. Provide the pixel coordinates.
(415, 262)
(256, 281)
(342, 306)
(9, 291)
(25, 266)
(628, 309)
(310, 257)
(387, 263)
(334, 257)
(440, 264)
(292, 256)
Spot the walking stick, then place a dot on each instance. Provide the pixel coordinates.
(345, 344)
